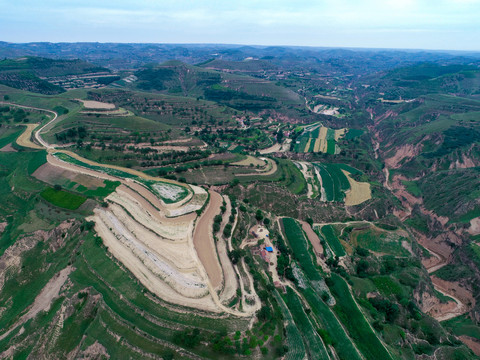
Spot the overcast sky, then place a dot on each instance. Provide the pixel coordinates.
(413, 24)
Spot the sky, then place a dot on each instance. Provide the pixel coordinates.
(407, 24)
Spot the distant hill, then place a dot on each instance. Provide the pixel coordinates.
(245, 66)
(330, 60)
(34, 73)
(430, 78)
(43, 67)
(237, 91)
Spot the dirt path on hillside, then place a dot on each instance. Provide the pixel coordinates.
(308, 174)
(463, 299)
(204, 243)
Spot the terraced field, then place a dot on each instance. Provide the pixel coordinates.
(314, 346)
(338, 185)
(329, 233)
(317, 138)
(334, 182)
(353, 319)
(170, 192)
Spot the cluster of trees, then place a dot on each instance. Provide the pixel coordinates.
(17, 115)
(284, 267)
(71, 134)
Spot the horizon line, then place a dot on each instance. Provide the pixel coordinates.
(357, 48)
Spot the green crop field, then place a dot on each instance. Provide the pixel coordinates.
(63, 199)
(296, 347)
(332, 240)
(9, 135)
(355, 322)
(300, 247)
(343, 345)
(334, 181)
(314, 345)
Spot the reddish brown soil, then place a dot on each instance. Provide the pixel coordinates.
(204, 243)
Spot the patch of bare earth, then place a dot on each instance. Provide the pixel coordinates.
(472, 343)
(316, 244)
(474, 228)
(8, 148)
(96, 105)
(204, 243)
(270, 169)
(407, 151)
(94, 351)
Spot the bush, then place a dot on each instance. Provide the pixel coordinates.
(362, 268)
(362, 252)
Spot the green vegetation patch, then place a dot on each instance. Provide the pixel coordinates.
(300, 247)
(382, 242)
(296, 348)
(313, 342)
(463, 325)
(63, 199)
(388, 286)
(334, 181)
(343, 345)
(355, 322)
(353, 133)
(332, 240)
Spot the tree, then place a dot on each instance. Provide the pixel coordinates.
(227, 231)
(259, 215)
(235, 255)
(362, 268)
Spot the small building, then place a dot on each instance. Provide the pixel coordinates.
(269, 249)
